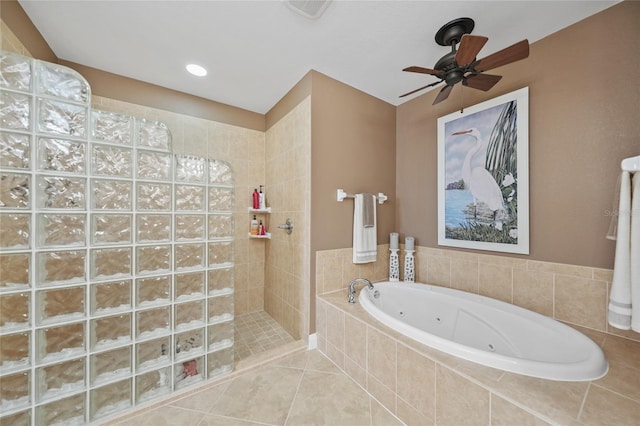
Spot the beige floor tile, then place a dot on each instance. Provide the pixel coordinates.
(201, 401)
(603, 407)
(211, 420)
(261, 396)
(318, 362)
(165, 416)
(329, 399)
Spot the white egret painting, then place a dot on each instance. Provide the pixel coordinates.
(483, 177)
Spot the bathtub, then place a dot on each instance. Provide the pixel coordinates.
(485, 331)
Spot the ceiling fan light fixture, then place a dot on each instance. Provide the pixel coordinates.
(197, 70)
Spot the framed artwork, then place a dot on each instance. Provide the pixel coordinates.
(483, 175)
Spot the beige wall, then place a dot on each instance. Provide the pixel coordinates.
(288, 186)
(584, 100)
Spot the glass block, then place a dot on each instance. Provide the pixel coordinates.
(110, 365)
(111, 228)
(153, 165)
(15, 229)
(111, 194)
(220, 281)
(221, 199)
(189, 197)
(61, 229)
(189, 285)
(15, 150)
(22, 418)
(110, 297)
(153, 227)
(61, 192)
(15, 391)
(14, 190)
(60, 379)
(57, 305)
(151, 259)
(220, 226)
(110, 262)
(220, 308)
(68, 411)
(61, 267)
(62, 118)
(14, 271)
(188, 373)
(111, 127)
(153, 322)
(153, 134)
(111, 331)
(220, 172)
(153, 353)
(111, 161)
(153, 196)
(62, 82)
(15, 71)
(190, 169)
(61, 342)
(221, 253)
(153, 384)
(15, 111)
(153, 290)
(15, 351)
(110, 399)
(220, 335)
(61, 155)
(15, 312)
(219, 362)
(189, 227)
(189, 256)
(189, 314)
(189, 344)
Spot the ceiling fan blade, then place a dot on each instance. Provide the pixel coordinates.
(481, 81)
(422, 70)
(417, 90)
(505, 56)
(444, 94)
(469, 47)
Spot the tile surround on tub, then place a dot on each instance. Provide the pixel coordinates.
(424, 386)
(574, 294)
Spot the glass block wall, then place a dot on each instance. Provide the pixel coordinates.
(116, 256)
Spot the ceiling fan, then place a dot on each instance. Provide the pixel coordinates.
(461, 65)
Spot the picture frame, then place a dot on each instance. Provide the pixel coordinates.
(483, 175)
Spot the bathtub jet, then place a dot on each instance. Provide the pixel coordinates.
(486, 331)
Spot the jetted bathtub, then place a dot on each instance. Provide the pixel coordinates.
(485, 331)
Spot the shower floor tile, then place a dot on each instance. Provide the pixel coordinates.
(257, 332)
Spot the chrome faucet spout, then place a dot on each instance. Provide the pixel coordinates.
(352, 288)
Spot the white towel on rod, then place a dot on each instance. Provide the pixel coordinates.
(624, 300)
(364, 238)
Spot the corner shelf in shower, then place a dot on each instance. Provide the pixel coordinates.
(266, 236)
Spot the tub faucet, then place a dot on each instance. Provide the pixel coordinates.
(352, 288)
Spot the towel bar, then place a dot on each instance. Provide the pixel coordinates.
(342, 195)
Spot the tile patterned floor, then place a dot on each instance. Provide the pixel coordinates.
(304, 388)
(257, 332)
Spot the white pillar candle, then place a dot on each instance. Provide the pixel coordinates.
(393, 240)
(409, 243)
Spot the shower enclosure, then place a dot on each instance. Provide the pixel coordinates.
(116, 256)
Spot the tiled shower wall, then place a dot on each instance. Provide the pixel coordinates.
(288, 175)
(116, 256)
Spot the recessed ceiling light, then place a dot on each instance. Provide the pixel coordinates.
(196, 70)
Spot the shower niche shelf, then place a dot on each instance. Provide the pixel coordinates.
(267, 235)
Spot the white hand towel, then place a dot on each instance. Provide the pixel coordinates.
(635, 254)
(364, 238)
(619, 315)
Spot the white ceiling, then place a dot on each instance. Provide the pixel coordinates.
(256, 51)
